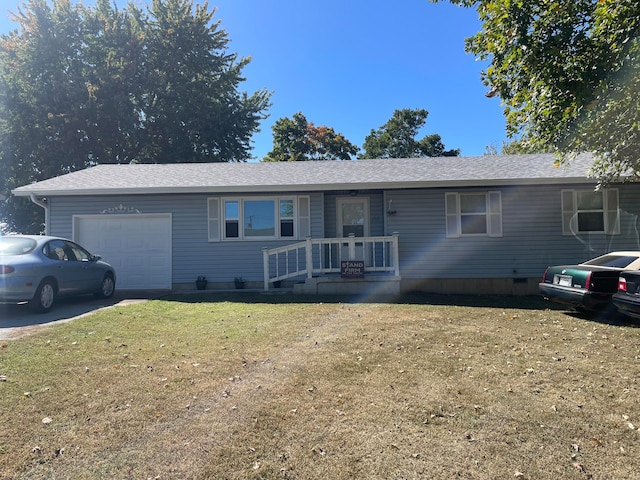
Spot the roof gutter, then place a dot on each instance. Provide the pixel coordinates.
(44, 205)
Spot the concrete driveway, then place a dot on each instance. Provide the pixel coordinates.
(18, 320)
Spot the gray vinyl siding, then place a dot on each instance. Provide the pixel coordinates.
(532, 234)
(192, 253)
(531, 222)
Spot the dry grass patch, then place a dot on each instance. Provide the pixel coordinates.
(242, 388)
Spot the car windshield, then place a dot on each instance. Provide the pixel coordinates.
(615, 261)
(16, 245)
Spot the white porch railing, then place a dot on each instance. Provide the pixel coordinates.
(315, 256)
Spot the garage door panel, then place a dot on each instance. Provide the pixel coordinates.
(135, 243)
(138, 247)
(135, 262)
(157, 262)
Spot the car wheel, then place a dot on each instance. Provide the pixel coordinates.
(44, 297)
(108, 286)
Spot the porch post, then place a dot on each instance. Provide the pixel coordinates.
(265, 267)
(352, 246)
(309, 257)
(396, 254)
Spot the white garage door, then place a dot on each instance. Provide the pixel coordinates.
(138, 247)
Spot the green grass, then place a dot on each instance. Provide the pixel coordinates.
(255, 386)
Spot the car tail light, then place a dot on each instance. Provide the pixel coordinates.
(587, 284)
(4, 269)
(622, 284)
(544, 275)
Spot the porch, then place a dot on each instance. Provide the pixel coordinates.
(320, 265)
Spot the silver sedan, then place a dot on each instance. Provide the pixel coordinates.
(37, 269)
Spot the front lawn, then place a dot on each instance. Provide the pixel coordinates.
(254, 386)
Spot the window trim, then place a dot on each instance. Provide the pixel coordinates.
(217, 217)
(493, 214)
(610, 212)
(235, 220)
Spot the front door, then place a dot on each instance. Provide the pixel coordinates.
(353, 218)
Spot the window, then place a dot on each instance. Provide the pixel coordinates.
(231, 219)
(57, 250)
(79, 253)
(473, 214)
(590, 211)
(286, 218)
(16, 245)
(614, 261)
(67, 251)
(258, 218)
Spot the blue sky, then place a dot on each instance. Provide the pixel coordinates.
(349, 64)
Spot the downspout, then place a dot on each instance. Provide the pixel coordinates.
(44, 205)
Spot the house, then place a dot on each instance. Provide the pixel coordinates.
(488, 224)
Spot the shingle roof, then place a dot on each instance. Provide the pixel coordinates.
(313, 176)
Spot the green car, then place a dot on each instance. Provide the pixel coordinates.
(589, 285)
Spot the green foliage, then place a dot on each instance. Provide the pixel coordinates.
(397, 138)
(568, 74)
(87, 85)
(295, 139)
(513, 147)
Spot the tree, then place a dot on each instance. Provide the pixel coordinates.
(295, 139)
(87, 85)
(192, 108)
(568, 74)
(397, 138)
(512, 147)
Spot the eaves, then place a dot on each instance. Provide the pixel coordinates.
(310, 187)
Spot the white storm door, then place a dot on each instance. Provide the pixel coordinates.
(353, 218)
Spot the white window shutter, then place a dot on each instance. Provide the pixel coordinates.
(214, 219)
(495, 214)
(568, 212)
(304, 217)
(452, 213)
(612, 215)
